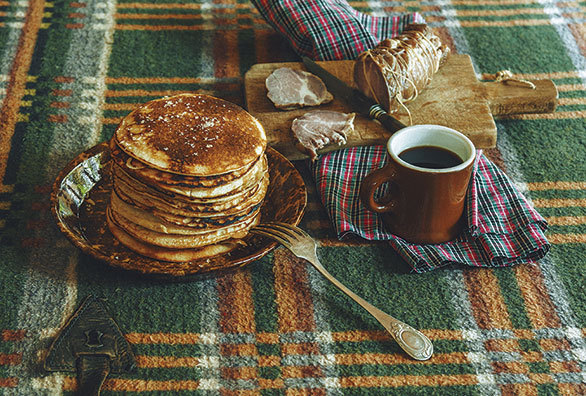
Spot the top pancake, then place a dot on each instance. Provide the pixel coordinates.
(189, 134)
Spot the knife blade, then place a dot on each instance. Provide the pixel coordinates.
(356, 99)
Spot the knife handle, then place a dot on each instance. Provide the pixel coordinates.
(390, 123)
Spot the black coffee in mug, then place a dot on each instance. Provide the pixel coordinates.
(431, 157)
(422, 205)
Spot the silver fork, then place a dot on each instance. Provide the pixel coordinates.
(415, 343)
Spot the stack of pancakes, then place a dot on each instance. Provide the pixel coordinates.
(189, 177)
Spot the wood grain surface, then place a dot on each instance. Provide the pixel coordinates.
(455, 98)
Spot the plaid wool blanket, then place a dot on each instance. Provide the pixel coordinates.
(71, 70)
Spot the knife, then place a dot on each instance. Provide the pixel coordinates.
(356, 99)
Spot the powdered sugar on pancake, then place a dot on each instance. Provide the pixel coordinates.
(191, 134)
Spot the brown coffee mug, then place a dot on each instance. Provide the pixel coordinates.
(428, 173)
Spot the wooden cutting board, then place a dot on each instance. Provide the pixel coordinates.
(455, 98)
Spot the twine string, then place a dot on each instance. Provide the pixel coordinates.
(407, 61)
(505, 76)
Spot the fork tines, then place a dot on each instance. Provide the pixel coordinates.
(283, 232)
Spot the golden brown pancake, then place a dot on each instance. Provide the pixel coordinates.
(249, 179)
(133, 186)
(128, 182)
(178, 241)
(207, 222)
(166, 254)
(191, 134)
(145, 198)
(148, 175)
(132, 214)
(189, 177)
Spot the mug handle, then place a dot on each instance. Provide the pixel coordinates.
(369, 185)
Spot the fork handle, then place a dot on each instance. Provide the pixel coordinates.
(412, 341)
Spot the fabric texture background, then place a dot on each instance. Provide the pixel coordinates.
(330, 29)
(71, 70)
(501, 227)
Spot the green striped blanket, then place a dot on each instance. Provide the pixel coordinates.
(69, 71)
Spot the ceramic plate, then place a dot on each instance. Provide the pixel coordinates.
(81, 193)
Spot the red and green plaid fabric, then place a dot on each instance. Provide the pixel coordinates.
(329, 29)
(69, 72)
(502, 228)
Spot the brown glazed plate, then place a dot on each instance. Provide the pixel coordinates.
(81, 193)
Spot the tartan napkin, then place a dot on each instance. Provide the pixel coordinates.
(502, 227)
(329, 29)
